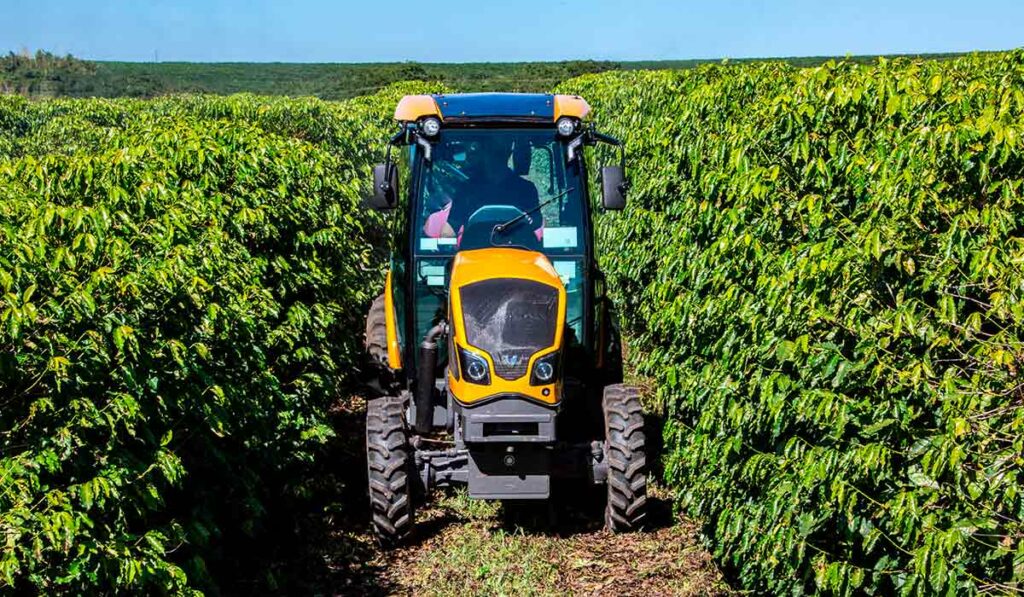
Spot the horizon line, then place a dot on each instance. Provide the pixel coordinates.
(910, 54)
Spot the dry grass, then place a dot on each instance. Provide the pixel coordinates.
(470, 551)
(467, 547)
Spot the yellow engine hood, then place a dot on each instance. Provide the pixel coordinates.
(480, 265)
(485, 264)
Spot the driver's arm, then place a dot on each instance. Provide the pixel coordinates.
(463, 204)
(438, 223)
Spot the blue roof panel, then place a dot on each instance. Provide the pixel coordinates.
(496, 105)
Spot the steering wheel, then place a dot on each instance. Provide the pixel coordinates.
(480, 230)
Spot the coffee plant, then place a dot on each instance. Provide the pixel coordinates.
(822, 270)
(182, 290)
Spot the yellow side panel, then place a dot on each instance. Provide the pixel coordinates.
(394, 349)
(413, 107)
(486, 264)
(571, 105)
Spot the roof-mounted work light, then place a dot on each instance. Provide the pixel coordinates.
(566, 126)
(430, 126)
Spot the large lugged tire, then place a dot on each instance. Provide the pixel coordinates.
(625, 451)
(389, 463)
(377, 333)
(379, 375)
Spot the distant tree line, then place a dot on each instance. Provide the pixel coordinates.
(47, 75)
(42, 73)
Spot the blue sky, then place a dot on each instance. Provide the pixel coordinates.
(478, 31)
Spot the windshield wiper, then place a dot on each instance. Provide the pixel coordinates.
(506, 225)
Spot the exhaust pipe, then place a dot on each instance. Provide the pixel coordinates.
(425, 378)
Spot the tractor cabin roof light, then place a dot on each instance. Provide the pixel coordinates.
(566, 126)
(430, 126)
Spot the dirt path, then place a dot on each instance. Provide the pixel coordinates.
(469, 548)
(465, 547)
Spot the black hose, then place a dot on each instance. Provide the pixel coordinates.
(425, 378)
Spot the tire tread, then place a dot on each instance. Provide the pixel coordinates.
(389, 465)
(625, 446)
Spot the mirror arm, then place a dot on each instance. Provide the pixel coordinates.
(625, 184)
(574, 145)
(388, 165)
(610, 140)
(399, 138)
(427, 147)
(621, 187)
(595, 137)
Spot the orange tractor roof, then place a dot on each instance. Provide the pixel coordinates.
(492, 106)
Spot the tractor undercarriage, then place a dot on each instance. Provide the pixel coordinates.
(498, 453)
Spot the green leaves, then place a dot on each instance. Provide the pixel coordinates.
(181, 288)
(822, 272)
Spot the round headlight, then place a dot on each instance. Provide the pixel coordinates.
(566, 126)
(544, 371)
(431, 126)
(476, 370)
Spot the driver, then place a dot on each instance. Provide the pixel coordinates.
(490, 182)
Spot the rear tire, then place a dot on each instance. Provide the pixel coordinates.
(625, 452)
(381, 379)
(377, 332)
(389, 463)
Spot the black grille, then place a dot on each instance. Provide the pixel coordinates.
(511, 319)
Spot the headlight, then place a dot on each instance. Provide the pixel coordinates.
(545, 370)
(474, 368)
(430, 127)
(566, 126)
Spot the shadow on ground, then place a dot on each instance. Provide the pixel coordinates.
(577, 508)
(319, 543)
(316, 541)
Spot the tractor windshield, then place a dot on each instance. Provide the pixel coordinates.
(499, 188)
(479, 179)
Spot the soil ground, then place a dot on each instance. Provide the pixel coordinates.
(466, 547)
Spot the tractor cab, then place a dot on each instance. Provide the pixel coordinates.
(494, 335)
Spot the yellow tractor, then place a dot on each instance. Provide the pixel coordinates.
(496, 349)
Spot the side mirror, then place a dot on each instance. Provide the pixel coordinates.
(613, 187)
(385, 187)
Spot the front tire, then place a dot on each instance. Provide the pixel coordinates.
(389, 464)
(625, 451)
